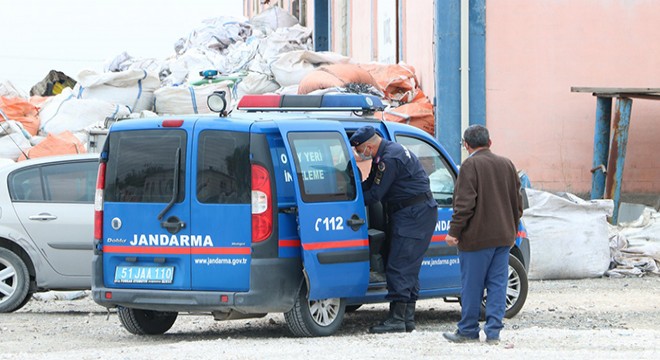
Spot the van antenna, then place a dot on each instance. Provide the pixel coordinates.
(9, 135)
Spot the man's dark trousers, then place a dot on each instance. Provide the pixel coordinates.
(411, 232)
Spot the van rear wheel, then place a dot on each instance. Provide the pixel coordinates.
(310, 318)
(146, 322)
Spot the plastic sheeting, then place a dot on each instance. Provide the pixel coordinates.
(568, 236)
(635, 246)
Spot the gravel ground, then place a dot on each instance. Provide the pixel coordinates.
(577, 319)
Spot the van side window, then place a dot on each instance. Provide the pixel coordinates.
(323, 165)
(144, 168)
(440, 174)
(223, 167)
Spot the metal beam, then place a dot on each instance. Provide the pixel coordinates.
(601, 146)
(617, 159)
(321, 25)
(448, 71)
(447, 76)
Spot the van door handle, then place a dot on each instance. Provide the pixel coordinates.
(43, 217)
(355, 222)
(173, 224)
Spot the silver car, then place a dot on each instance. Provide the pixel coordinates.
(46, 226)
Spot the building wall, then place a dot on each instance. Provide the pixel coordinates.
(536, 50)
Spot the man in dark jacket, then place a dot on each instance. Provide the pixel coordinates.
(399, 180)
(487, 209)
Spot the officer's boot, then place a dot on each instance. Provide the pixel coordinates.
(410, 316)
(395, 322)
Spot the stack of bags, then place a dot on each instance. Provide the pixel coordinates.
(270, 53)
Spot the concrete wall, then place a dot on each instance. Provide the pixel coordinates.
(536, 50)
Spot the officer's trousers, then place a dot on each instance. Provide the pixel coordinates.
(483, 269)
(411, 232)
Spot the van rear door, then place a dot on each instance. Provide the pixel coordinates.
(146, 210)
(331, 211)
(221, 205)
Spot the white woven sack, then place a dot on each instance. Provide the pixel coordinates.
(66, 112)
(289, 68)
(133, 88)
(179, 100)
(13, 140)
(568, 236)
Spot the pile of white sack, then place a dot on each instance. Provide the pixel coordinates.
(571, 238)
(254, 56)
(269, 53)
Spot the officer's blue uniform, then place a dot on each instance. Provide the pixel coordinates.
(398, 179)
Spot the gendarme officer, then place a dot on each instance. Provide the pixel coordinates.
(398, 179)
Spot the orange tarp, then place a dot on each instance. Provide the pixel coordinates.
(335, 75)
(417, 114)
(398, 81)
(22, 111)
(60, 144)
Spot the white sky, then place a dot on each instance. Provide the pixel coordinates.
(72, 35)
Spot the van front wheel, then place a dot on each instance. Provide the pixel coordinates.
(315, 317)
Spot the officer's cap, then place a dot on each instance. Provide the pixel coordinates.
(362, 134)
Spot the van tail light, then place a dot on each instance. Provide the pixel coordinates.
(98, 203)
(262, 212)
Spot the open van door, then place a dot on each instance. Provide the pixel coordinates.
(331, 211)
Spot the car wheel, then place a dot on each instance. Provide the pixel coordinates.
(14, 282)
(315, 317)
(516, 290)
(146, 322)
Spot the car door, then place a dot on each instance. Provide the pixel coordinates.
(331, 211)
(440, 267)
(55, 205)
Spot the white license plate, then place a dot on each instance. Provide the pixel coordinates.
(144, 274)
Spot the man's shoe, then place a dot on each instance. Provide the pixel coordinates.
(458, 338)
(493, 341)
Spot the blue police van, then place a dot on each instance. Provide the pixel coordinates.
(259, 211)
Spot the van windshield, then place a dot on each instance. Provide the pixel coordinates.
(141, 168)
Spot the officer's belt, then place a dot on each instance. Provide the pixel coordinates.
(396, 206)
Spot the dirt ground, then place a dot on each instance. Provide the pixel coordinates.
(602, 318)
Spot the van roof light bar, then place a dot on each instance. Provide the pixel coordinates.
(328, 102)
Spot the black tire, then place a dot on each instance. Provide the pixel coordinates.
(316, 317)
(516, 290)
(352, 308)
(146, 322)
(14, 282)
